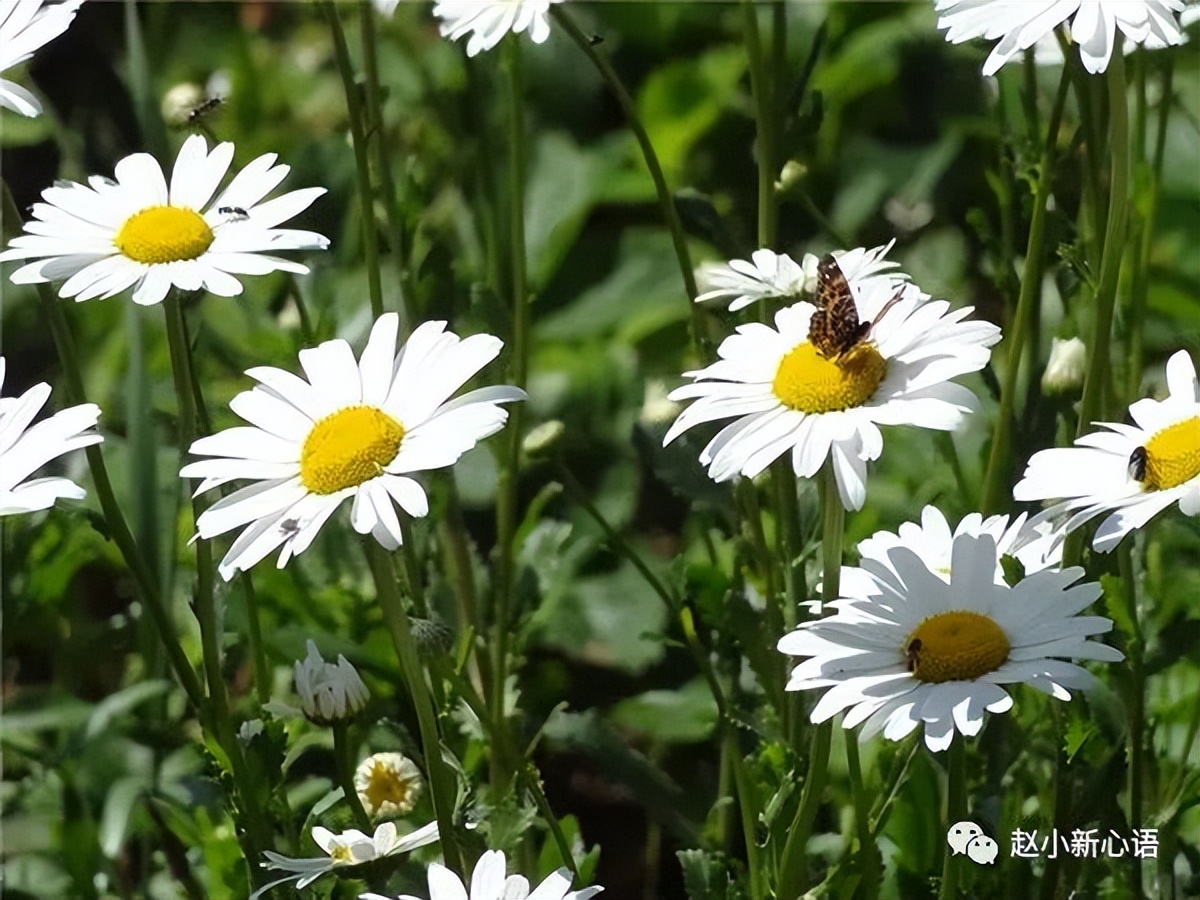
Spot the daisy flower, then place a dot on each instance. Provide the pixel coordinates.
(26, 25)
(352, 430)
(350, 848)
(1132, 471)
(107, 236)
(764, 276)
(910, 647)
(785, 396)
(388, 784)
(488, 882)
(329, 692)
(25, 449)
(1020, 24)
(487, 21)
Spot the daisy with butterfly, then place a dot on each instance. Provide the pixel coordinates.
(869, 349)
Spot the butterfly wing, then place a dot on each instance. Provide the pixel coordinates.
(834, 327)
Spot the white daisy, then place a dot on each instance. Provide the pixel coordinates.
(1020, 24)
(354, 429)
(25, 449)
(764, 276)
(487, 21)
(329, 692)
(784, 395)
(26, 25)
(488, 882)
(1132, 471)
(107, 236)
(388, 784)
(350, 848)
(908, 647)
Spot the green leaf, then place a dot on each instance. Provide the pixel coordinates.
(682, 716)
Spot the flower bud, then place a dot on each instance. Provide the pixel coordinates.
(179, 101)
(388, 785)
(542, 439)
(328, 692)
(1065, 371)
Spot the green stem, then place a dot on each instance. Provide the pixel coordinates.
(868, 852)
(764, 117)
(1135, 644)
(1062, 795)
(387, 186)
(362, 166)
(532, 783)
(1141, 285)
(746, 793)
(344, 765)
(995, 485)
(442, 787)
(793, 863)
(665, 201)
(956, 811)
(119, 529)
(145, 103)
(1099, 363)
(258, 650)
(508, 494)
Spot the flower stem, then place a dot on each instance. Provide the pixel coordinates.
(344, 764)
(1135, 645)
(1099, 363)
(762, 89)
(793, 863)
(118, 527)
(868, 852)
(665, 201)
(745, 792)
(956, 811)
(508, 492)
(995, 485)
(362, 166)
(442, 787)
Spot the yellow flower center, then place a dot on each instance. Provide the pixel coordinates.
(1173, 455)
(955, 646)
(385, 784)
(808, 382)
(348, 447)
(163, 234)
(341, 854)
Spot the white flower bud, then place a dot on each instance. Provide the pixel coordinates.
(179, 101)
(328, 692)
(1066, 368)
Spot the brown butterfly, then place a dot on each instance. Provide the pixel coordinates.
(834, 328)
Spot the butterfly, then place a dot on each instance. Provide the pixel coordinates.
(834, 328)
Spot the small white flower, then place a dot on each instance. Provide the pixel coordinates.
(488, 882)
(487, 21)
(388, 784)
(25, 449)
(108, 236)
(909, 647)
(26, 25)
(1066, 368)
(1133, 471)
(356, 429)
(766, 275)
(785, 396)
(350, 848)
(1020, 24)
(329, 692)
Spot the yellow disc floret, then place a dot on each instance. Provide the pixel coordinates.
(164, 234)
(1173, 455)
(808, 382)
(349, 447)
(955, 646)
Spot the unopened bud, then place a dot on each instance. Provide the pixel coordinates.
(329, 692)
(1066, 369)
(541, 440)
(179, 101)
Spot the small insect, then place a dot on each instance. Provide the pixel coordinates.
(235, 213)
(290, 527)
(595, 40)
(912, 656)
(203, 109)
(834, 328)
(1137, 464)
